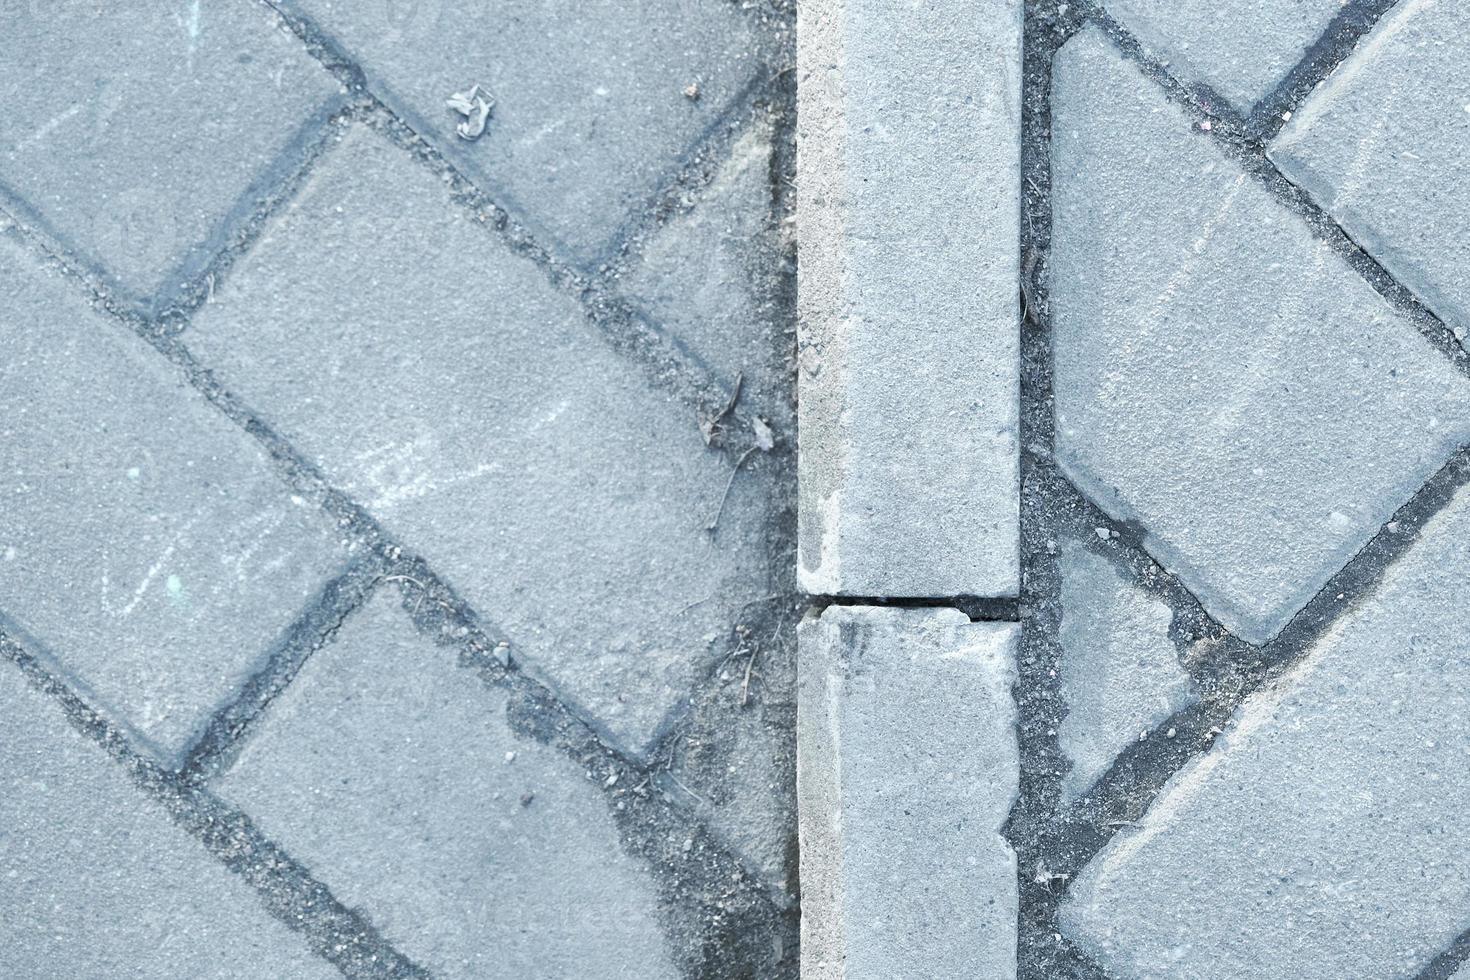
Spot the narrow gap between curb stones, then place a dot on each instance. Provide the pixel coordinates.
(979, 609)
(1053, 843)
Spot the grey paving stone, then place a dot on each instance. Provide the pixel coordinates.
(1221, 376)
(906, 772)
(132, 130)
(909, 137)
(1242, 50)
(1384, 145)
(1323, 834)
(391, 773)
(145, 545)
(710, 277)
(470, 406)
(99, 883)
(590, 113)
(1120, 671)
(733, 760)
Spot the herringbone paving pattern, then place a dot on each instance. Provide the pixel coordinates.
(398, 570)
(1244, 423)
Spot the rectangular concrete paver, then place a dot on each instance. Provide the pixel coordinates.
(392, 773)
(441, 380)
(1120, 670)
(145, 545)
(1222, 376)
(710, 278)
(590, 114)
(1242, 50)
(95, 881)
(1384, 145)
(132, 131)
(906, 771)
(909, 163)
(1323, 835)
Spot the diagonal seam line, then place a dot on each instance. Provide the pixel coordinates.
(1245, 148)
(339, 934)
(589, 287)
(1137, 775)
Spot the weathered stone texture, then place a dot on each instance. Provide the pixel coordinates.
(590, 116)
(909, 162)
(146, 546)
(1120, 670)
(484, 419)
(98, 882)
(393, 774)
(907, 768)
(132, 131)
(1242, 50)
(1384, 145)
(1322, 836)
(1221, 376)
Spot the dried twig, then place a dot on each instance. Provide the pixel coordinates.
(719, 511)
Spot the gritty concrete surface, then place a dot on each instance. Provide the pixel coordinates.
(168, 119)
(708, 276)
(907, 767)
(1259, 442)
(384, 766)
(1383, 147)
(145, 545)
(732, 760)
(99, 883)
(345, 455)
(1323, 834)
(1120, 671)
(909, 138)
(590, 105)
(530, 462)
(1240, 50)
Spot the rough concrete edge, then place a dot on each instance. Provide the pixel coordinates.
(823, 375)
(828, 639)
(1054, 841)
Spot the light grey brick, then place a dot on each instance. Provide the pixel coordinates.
(711, 278)
(131, 131)
(98, 882)
(145, 545)
(1120, 671)
(1242, 50)
(442, 381)
(1384, 146)
(392, 773)
(590, 113)
(907, 768)
(1323, 835)
(909, 137)
(1221, 376)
